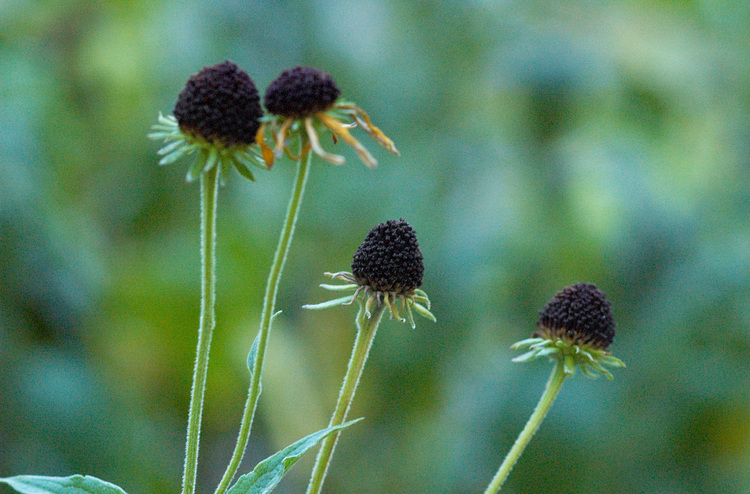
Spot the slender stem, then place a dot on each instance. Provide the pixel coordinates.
(366, 329)
(545, 403)
(269, 304)
(209, 197)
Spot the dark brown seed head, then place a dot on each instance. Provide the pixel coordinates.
(389, 260)
(221, 105)
(579, 313)
(301, 92)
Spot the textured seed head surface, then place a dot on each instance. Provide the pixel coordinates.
(389, 259)
(301, 92)
(220, 104)
(581, 313)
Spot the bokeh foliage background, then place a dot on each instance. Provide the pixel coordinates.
(543, 143)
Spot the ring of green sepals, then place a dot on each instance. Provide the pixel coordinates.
(211, 154)
(590, 359)
(416, 301)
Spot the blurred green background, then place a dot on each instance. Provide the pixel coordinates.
(543, 143)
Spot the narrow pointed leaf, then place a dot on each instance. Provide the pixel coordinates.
(75, 484)
(269, 472)
(253, 353)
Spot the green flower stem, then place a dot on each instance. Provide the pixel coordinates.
(209, 197)
(545, 403)
(366, 329)
(269, 304)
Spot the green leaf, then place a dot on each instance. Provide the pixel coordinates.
(253, 353)
(268, 473)
(75, 484)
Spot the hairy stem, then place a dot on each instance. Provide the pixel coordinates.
(366, 329)
(545, 403)
(269, 304)
(209, 197)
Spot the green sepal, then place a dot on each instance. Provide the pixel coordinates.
(268, 473)
(424, 312)
(569, 365)
(613, 361)
(525, 357)
(196, 168)
(249, 158)
(331, 303)
(528, 342)
(173, 156)
(170, 147)
(339, 288)
(242, 168)
(211, 160)
(592, 361)
(225, 167)
(75, 484)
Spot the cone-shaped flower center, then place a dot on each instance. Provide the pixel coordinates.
(301, 92)
(220, 104)
(580, 313)
(389, 259)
